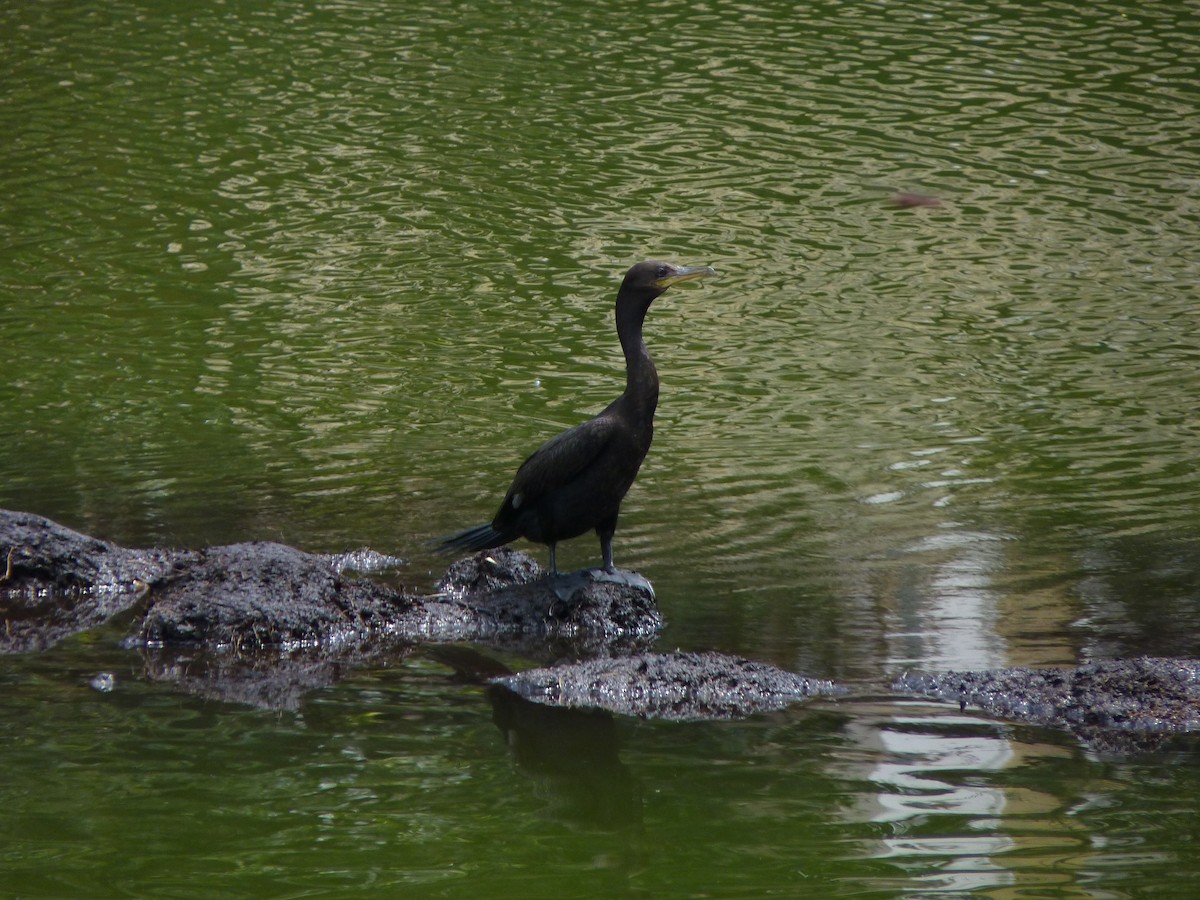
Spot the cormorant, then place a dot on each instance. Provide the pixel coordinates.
(575, 482)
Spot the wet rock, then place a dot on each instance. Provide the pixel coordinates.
(264, 596)
(502, 599)
(263, 623)
(678, 686)
(488, 572)
(1099, 701)
(55, 582)
(364, 561)
(259, 595)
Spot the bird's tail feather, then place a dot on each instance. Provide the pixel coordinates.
(481, 537)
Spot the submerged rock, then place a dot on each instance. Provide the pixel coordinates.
(678, 686)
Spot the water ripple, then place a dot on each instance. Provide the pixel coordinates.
(379, 260)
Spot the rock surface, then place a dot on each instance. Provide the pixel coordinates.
(262, 623)
(678, 686)
(55, 582)
(264, 596)
(1098, 701)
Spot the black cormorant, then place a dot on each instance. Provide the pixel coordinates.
(575, 482)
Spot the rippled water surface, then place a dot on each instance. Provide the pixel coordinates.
(324, 272)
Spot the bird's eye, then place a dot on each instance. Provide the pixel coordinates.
(662, 272)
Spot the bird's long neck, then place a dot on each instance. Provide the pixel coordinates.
(641, 378)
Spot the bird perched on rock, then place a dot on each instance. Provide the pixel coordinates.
(575, 482)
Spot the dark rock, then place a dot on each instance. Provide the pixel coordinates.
(258, 595)
(1097, 701)
(253, 597)
(679, 686)
(55, 582)
(488, 572)
(263, 623)
(501, 598)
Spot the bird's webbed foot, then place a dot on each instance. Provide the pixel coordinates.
(621, 576)
(567, 587)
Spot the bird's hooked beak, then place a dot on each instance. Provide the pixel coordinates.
(684, 273)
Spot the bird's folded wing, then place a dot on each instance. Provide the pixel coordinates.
(558, 461)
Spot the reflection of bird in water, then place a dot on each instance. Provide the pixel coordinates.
(571, 753)
(575, 482)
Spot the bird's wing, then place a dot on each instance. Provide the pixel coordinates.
(559, 460)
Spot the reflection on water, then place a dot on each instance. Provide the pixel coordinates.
(949, 619)
(573, 756)
(961, 819)
(917, 774)
(323, 273)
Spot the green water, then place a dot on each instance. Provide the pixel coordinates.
(324, 272)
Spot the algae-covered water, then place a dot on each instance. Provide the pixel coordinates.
(323, 273)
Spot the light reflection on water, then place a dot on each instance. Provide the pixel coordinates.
(917, 776)
(324, 273)
(988, 830)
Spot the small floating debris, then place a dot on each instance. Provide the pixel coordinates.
(913, 200)
(104, 682)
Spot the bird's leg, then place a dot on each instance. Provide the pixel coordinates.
(566, 587)
(608, 570)
(606, 551)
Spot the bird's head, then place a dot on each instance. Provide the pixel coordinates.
(650, 278)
